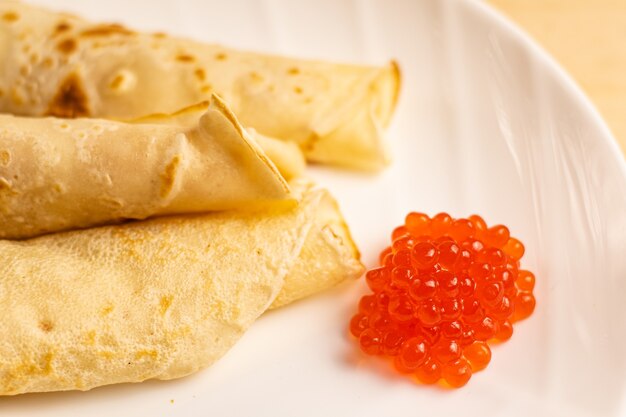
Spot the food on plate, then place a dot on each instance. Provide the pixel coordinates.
(287, 156)
(445, 288)
(159, 298)
(56, 64)
(135, 126)
(328, 257)
(60, 174)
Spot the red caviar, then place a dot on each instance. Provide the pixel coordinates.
(445, 288)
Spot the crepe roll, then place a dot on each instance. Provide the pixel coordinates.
(60, 174)
(57, 64)
(159, 298)
(287, 156)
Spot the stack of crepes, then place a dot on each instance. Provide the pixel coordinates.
(137, 247)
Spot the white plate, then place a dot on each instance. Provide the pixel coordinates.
(487, 123)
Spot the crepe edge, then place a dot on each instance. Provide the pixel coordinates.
(333, 232)
(287, 162)
(359, 146)
(249, 141)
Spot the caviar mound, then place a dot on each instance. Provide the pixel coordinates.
(445, 287)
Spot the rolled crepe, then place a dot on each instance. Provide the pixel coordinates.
(56, 64)
(159, 298)
(58, 174)
(287, 156)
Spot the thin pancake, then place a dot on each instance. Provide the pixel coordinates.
(72, 67)
(159, 298)
(58, 174)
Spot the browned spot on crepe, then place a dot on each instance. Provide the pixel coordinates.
(67, 46)
(152, 354)
(46, 325)
(62, 27)
(5, 157)
(200, 74)
(159, 35)
(30, 367)
(10, 16)
(17, 97)
(106, 310)
(185, 58)
(90, 337)
(116, 82)
(168, 176)
(221, 57)
(310, 142)
(165, 303)
(70, 100)
(106, 30)
(256, 76)
(293, 71)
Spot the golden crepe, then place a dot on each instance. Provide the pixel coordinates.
(56, 64)
(59, 174)
(158, 298)
(287, 156)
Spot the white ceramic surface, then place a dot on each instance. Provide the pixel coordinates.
(487, 123)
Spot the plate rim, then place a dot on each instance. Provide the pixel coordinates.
(564, 78)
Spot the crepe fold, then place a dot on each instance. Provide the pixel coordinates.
(58, 174)
(56, 64)
(287, 156)
(159, 298)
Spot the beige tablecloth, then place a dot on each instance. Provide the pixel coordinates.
(588, 37)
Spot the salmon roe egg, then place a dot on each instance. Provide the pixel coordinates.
(457, 374)
(478, 355)
(444, 290)
(429, 372)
